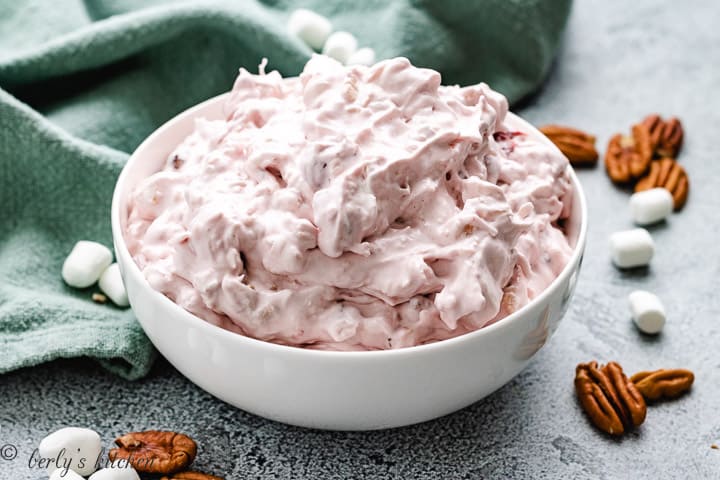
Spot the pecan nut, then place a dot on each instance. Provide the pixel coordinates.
(155, 451)
(670, 175)
(628, 157)
(666, 135)
(663, 383)
(191, 476)
(576, 145)
(610, 400)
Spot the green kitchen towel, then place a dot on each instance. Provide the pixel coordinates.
(83, 82)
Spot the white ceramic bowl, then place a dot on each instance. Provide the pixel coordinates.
(336, 390)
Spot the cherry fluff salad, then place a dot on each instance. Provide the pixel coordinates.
(353, 208)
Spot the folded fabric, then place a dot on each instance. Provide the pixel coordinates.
(83, 82)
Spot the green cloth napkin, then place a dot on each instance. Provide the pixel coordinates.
(82, 83)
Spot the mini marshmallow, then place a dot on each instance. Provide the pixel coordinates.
(364, 56)
(340, 46)
(647, 311)
(86, 262)
(111, 283)
(80, 447)
(310, 27)
(115, 473)
(651, 206)
(631, 248)
(61, 474)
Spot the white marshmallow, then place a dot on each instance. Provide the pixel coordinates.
(340, 46)
(115, 473)
(111, 283)
(86, 262)
(61, 474)
(647, 311)
(310, 27)
(364, 56)
(651, 206)
(80, 447)
(631, 248)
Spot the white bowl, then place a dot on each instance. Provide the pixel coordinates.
(336, 390)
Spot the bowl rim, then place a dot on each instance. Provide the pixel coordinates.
(131, 268)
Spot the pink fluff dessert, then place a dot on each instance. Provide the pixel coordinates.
(354, 208)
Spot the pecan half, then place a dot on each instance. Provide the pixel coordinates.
(663, 383)
(610, 400)
(191, 476)
(628, 157)
(671, 139)
(155, 451)
(670, 175)
(666, 135)
(576, 145)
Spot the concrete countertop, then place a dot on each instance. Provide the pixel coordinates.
(620, 61)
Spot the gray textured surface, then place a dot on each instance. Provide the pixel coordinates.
(620, 61)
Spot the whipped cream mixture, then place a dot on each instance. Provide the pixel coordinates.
(353, 208)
